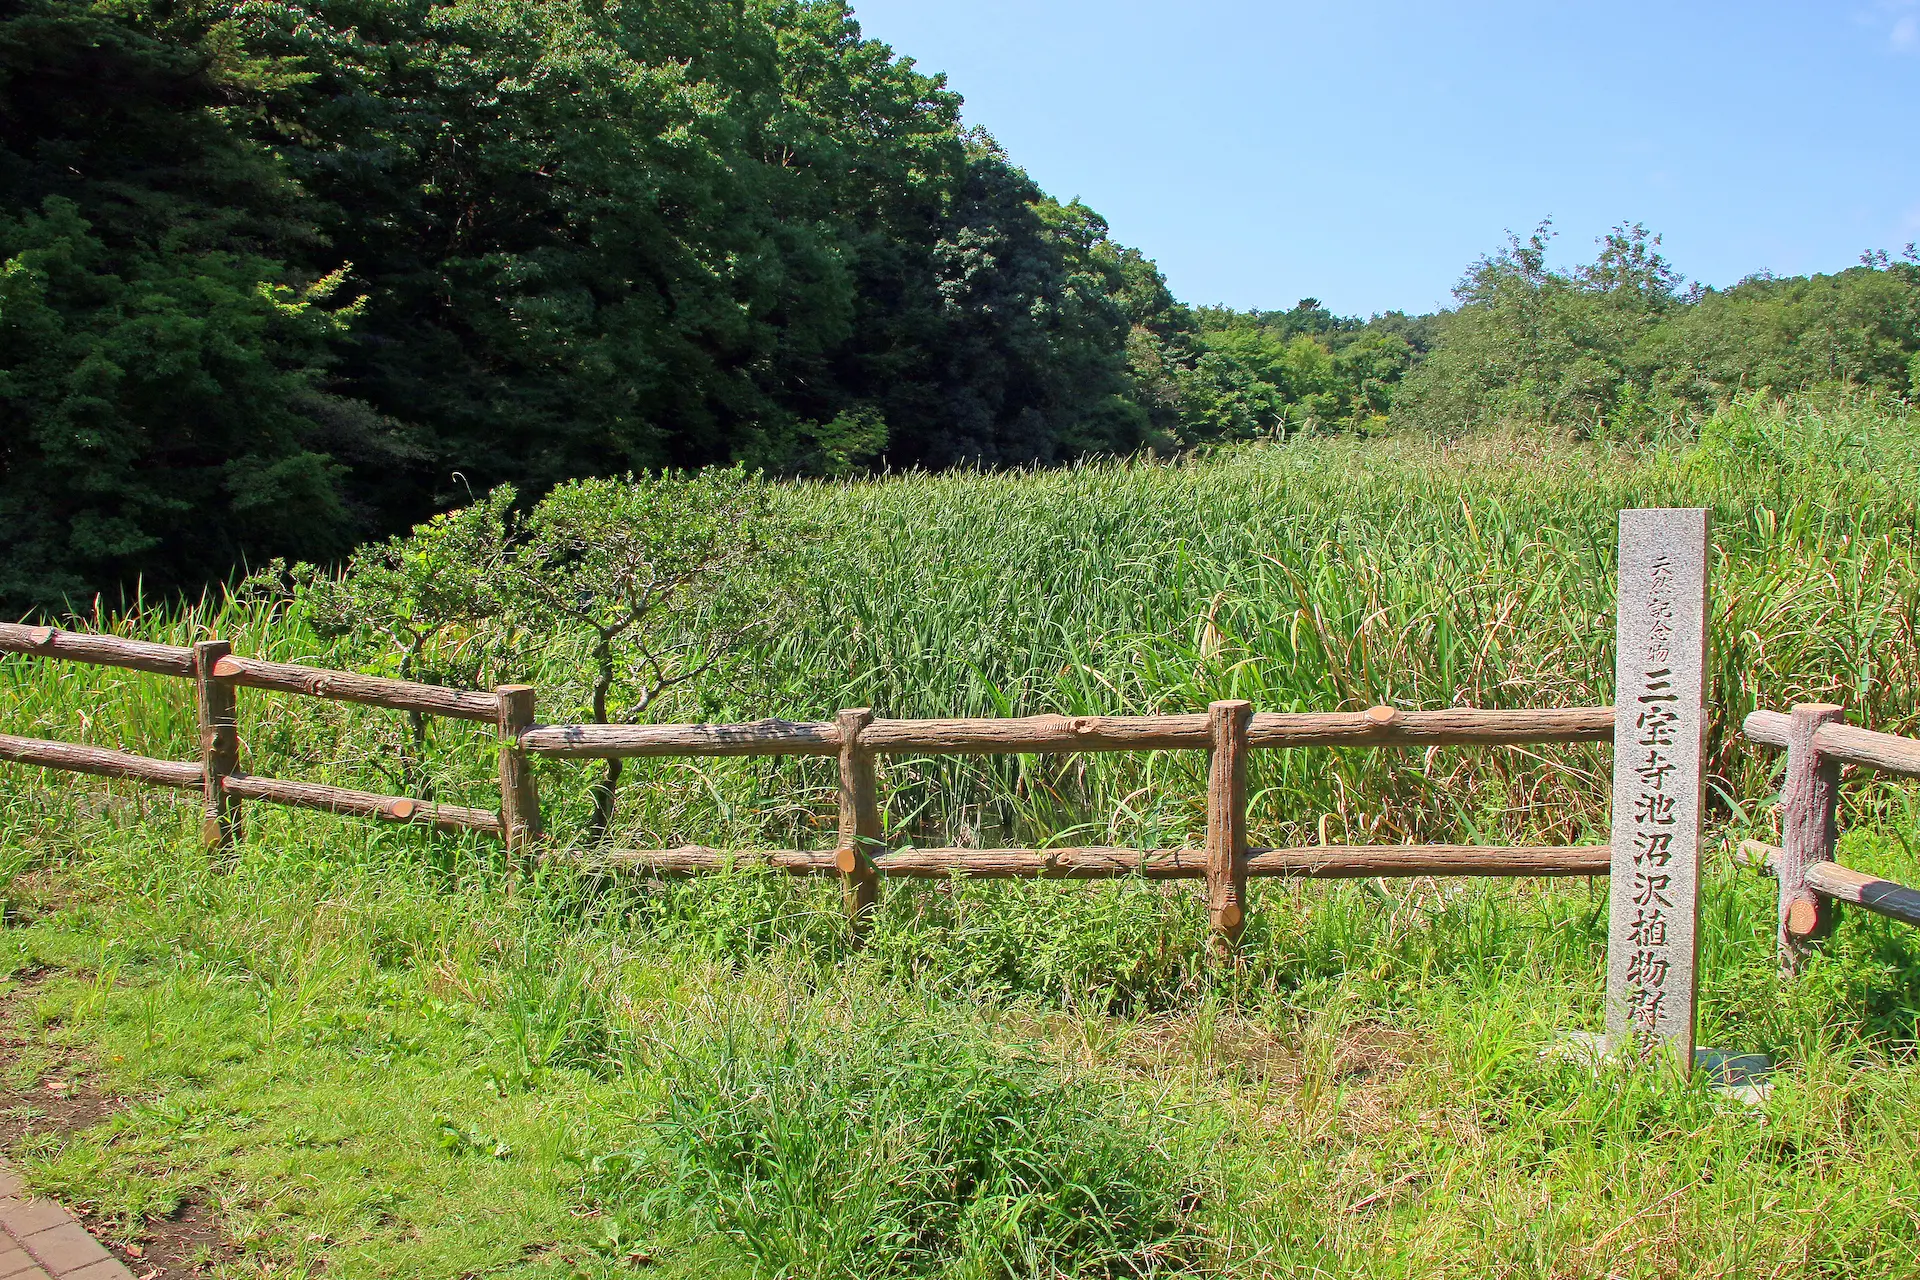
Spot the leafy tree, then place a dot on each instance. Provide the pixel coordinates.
(163, 407)
(656, 583)
(1860, 327)
(1616, 343)
(663, 580)
(277, 275)
(1231, 375)
(433, 606)
(582, 240)
(680, 234)
(1022, 358)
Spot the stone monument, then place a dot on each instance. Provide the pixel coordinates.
(1659, 738)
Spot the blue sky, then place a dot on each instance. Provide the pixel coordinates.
(1365, 152)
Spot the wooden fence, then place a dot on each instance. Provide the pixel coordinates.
(1658, 724)
(218, 674)
(1818, 740)
(1227, 731)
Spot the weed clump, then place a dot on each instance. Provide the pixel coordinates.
(906, 1149)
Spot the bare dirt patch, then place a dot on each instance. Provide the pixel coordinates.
(60, 1093)
(1218, 1046)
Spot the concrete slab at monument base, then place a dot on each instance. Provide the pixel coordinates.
(1740, 1076)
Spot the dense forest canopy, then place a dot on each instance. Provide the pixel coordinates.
(276, 277)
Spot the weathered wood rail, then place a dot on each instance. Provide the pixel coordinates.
(102, 762)
(106, 651)
(1376, 727)
(372, 691)
(1836, 740)
(1818, 741)
(1312, 862)
(361, 804)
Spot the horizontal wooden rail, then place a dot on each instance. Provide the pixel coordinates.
(1836, 881)
(102, 761)
(109, 651)
(1322, 862)
(1854, 745)
(1846, 743)
(347, 686)
(360, 804)
(692, 859)
(1037, 734)
(1349, 862)
(1379, 727)
(1757, 854)
(1768, 727)
(759, 738)
(1874, 894)
(188, 775)
(1453, 726)
(314, 682)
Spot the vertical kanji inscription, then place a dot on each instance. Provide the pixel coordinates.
(1660, 725)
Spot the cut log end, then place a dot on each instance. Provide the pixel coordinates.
(41, 637)
(401, 810)
(847, 860)
(227, 668)
(1803, 918)
(1230, 916)
(1383, 717)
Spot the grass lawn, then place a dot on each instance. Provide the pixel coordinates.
(355, 1069)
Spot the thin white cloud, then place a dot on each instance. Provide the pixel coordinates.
(1899, 19)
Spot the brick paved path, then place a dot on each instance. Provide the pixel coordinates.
(40, 1241)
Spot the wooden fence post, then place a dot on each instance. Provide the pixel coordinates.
(1808, 829)
(219, 745)
(859, 822)
(519, 801)
(1227, 724)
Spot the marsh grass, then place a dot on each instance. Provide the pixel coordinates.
(370, 1051)
(1325, 575)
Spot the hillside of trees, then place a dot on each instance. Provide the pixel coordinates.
(1621, 344)
(278, 277)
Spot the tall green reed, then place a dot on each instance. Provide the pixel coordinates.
(1321, 575)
